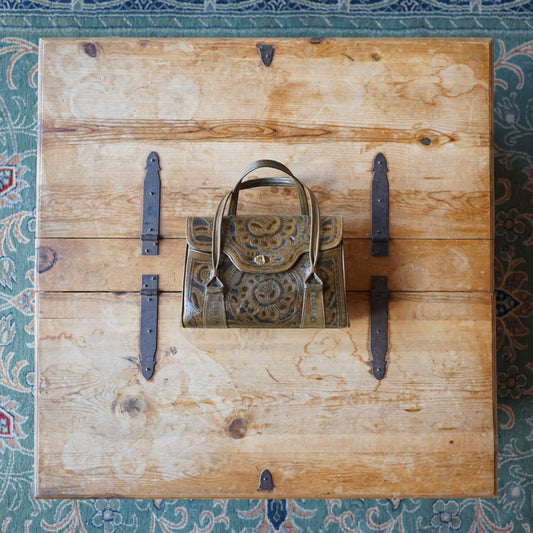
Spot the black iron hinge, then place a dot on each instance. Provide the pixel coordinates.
(148, 333)
(151, 195)
(379, 325)
(380, 207)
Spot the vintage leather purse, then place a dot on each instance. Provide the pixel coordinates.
(265, 271)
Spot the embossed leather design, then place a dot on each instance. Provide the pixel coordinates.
(265, 300)
(265, 271)
(279, 240)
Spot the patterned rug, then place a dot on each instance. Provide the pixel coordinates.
(509, 22)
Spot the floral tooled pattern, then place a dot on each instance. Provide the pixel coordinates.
(264, 243)
(263, 299)
(276, 241)
(264, 233)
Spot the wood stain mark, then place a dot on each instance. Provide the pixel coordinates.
(80, 342)
(237, 428)
(46, 258)
(90, 49)
(268, 372)
(375, 56)
(132, 407)
(355, 352)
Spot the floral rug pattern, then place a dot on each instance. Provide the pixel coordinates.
(509, 22)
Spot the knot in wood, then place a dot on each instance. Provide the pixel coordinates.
(237, 429)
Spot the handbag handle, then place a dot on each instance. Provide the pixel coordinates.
(314, 237)
(263, 182)
(214, 312)
(268, 182)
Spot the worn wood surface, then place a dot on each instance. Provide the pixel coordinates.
(302, 403)
(305, 403)
(117, 265)
(103, 110)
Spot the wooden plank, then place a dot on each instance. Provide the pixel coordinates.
(365, 82)
(96, 129)
(303, 401)
(186, 164)
(76, 132)
(443, 194)
(117, 265)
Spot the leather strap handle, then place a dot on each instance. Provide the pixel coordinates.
(268, 182)
(314, 237)
(214, 313)
(276, 165)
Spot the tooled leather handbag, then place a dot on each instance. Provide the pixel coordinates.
(265, 271)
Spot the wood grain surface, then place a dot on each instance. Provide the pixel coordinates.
(443, 194)
(301, 403)
(324, 109)
(117, 265)
(222, 406)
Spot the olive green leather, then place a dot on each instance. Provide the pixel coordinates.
(265, 271)
(267, 182)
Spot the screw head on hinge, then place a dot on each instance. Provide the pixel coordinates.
(378, 369)
(147, 368)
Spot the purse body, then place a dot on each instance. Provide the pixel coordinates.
(263, 267)
(265, 271)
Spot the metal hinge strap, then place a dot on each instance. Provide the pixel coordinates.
(380, 207)
(379, 325)
(148, 333)
(151, 196)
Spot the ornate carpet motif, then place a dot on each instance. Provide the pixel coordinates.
(280, 17)
(509, 21)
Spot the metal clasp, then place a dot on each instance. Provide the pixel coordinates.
(262, 259)
(265, 481)
(266, 51)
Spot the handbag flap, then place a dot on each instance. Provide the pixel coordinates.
(264, 243)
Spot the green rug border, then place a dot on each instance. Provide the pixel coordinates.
(231, 24)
